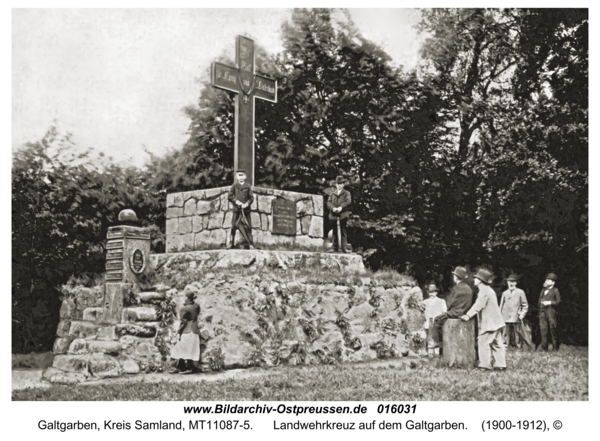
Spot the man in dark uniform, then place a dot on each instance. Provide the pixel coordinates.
(459, 301)
(549, 299)
(241, 196)
(338, 204)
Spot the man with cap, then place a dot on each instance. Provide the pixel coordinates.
(490, 342)
(337, 204)
(187, 349)
(241, 196)
(549, 299)
(459, 300)
(513, 306)
(434, 306)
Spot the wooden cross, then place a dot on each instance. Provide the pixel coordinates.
(243, 81)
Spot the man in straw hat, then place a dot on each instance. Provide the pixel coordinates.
(187, 349)
(338, 204)
(459, 300)
(549, 299)
(513, 306)
(434, 306)
(490, 342)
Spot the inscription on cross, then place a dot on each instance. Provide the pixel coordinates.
(242, 80)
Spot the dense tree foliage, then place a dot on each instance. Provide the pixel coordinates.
(61, 210)
(477, 157)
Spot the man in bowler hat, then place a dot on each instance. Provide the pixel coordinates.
(490, 342)
(549, 299)
(338, 205)
(459, 301)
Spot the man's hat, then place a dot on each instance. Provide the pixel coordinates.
(512, 278)
(432, 288)
(340, 180)
(241, 171)
(552, 276)
(461, 272)
(484, 275)
(191, 295)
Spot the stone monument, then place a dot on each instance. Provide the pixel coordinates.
(284, 303)
(285, 220)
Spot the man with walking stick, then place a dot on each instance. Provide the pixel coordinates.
(241, 196)
(338, 204)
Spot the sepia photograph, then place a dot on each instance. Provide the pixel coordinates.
(262, 207)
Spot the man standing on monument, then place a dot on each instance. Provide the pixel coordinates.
(241, 196)
(489, 342)
(549, 299)
(459, 301)
(338, 203)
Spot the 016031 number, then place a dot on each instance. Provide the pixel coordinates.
(397, 408)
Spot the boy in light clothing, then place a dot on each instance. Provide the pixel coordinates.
(434, 306)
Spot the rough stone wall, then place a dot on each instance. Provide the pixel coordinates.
(87, 347)
(201, 219)
(271, 318)
(258, 308)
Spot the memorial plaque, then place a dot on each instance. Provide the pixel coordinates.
(112, 244)
(284, 217)
(116, 253)
(114, 275)
(114, 264)
(137, 261)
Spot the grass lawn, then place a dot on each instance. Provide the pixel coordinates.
(530, 376)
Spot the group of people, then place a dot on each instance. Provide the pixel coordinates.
(242, 197)
(498, 324)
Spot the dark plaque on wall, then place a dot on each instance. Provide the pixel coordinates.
(284, 217)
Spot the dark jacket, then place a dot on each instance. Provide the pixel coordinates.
(189, 318)
(242, 193)
(343, 200)
(552, 296)
(460, 300)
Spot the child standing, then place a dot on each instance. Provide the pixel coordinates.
(434, 306)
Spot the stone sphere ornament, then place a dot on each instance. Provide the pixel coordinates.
(128, 216)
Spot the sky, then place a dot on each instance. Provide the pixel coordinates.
(118, 79)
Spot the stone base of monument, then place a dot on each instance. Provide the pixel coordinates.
(281, 220)
(459, 342)
(258, 308)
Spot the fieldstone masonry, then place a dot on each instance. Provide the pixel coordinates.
(201, 220)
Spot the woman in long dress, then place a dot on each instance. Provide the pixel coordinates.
(187, 349)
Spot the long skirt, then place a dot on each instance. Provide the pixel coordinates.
(188, 348)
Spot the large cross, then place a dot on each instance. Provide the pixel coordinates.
(242, 80)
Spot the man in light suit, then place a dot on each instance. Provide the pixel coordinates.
(490, 342)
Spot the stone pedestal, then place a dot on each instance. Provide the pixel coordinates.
(201, 220)
(459, 342)
(127, 256)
